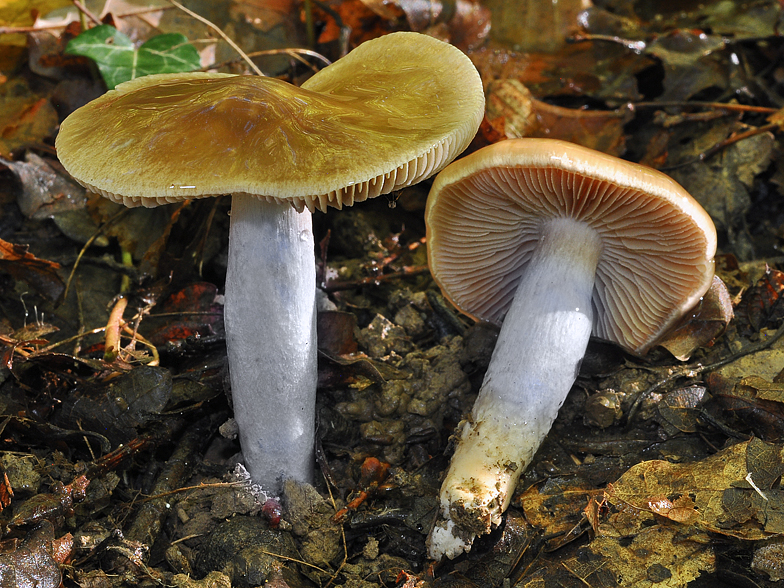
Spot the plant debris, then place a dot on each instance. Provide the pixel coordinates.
(118, 461)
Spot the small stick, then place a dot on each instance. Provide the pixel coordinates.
(692, 371)
(223, 35)
(294, 52)
(715, 105)
(89, 242)
(735, 138)
(83, 9)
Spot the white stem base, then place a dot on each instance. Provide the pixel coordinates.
(534, 364)
(270, 316)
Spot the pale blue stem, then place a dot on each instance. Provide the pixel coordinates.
(534, 364)
(270, 317)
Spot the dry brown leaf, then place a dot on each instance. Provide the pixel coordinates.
(702, 324)
(513, 112)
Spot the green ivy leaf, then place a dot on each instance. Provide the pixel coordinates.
(119, 60)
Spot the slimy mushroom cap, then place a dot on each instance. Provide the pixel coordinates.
(391, 113)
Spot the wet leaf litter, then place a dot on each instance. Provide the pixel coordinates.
(657, 470)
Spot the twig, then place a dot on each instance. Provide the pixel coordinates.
(223, 35)
(78, 337)
(83, 9)
(695, 370)
(735, 138)
(636, 46)
(31, 29)
(156, 359)
(714, 105)
(343, 535)
(295, 52)
(89, 242)
(144, 10)
(202, 486)
(310, 29)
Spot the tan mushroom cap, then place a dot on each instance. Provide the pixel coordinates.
(483, 217)
(391, 113)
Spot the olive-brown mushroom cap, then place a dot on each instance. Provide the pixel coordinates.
(483, 217)
(392, 112)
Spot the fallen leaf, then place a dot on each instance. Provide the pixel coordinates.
(38, 273)
(44, 191)
(762, 303)
(678, 411)
(681, 510)
(193, 311)
(513, 112)
(534, 26)
(689, 62)
(755, 403)
(120, 407)
(715, 493)
(336, 332)
(701, 325)
(263, 14)
(32, 564)
(22, 13)
(466, 23)
(25, 119)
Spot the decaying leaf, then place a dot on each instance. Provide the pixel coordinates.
(701, 325)
(263, 14)
(557, 505)
(722, 184)
(193, 311)
(513, 112)
(32, 564)
(769, 560)
(25, 118)
(467, 22)
(118, 409)
(720, 494)
(762, 303)
(44, 191)
(535, 26)
(38, 273)
(657, 556)
(679, 409)
(688, 61)
(15, 14)
(336, 332)
(680, 511)
(754, 402)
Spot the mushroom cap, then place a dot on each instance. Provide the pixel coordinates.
(484, 213)
(391, 113)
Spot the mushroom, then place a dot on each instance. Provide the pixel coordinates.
(391, 113)
(558, 242)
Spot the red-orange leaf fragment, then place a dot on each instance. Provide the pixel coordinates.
(38, 273)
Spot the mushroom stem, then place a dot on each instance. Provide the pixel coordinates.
(534, 364)
(270, 316)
